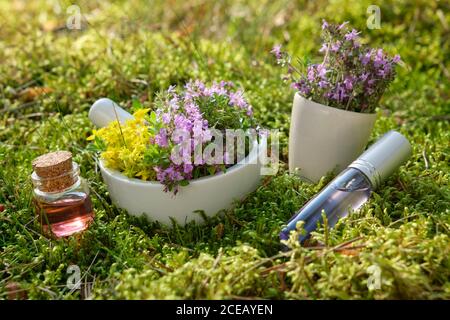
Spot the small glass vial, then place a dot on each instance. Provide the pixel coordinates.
(353, 186)
(61, 196)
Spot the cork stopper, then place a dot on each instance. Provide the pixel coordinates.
(54, 171)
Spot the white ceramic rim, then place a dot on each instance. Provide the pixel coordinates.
(250, 159)
(316, 104)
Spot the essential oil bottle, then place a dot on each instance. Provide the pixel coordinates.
(353, 186)
(61, 196)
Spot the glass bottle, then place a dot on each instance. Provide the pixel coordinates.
(352, 187)
(61, 196)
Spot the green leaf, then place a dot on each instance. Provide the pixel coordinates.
(184, 183)
(136, 105)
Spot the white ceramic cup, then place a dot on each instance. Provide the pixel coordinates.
(208, 194)
(324, 139)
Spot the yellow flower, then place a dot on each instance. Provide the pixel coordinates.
(92, 137)
(125, 146)
(144, 174)
(140, 114)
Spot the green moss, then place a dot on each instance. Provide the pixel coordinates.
(127, 52)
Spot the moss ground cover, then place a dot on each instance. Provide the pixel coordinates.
(125, 50)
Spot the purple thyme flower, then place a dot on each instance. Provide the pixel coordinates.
(183, 125)
(187, 168)
(200, 132)
(166, 118)
(296, 85)
(173, 174)
(339, 93)
(365, 59)
(224, 84)
(311, 73)
(173, 103)
(342, 94)
(302, 86)
(237, 99)
(363, 77)
(161, 138)
(353, 35)
(348, 83)
(160, 174)
(379, 59)
(329, 94)
(276, 50)
(383, 73)
(192, 111)
(321, 71)
(342, 25)
(215, 88)
(380, 53)
(323, 84)
(220, 89)
(305, 90)
(335, 95)
(349, 70)
(336, 46)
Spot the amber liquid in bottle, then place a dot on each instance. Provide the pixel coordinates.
(61, 196)
(66, 216)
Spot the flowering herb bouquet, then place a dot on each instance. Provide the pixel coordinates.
(162, 144)
(351, 76)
